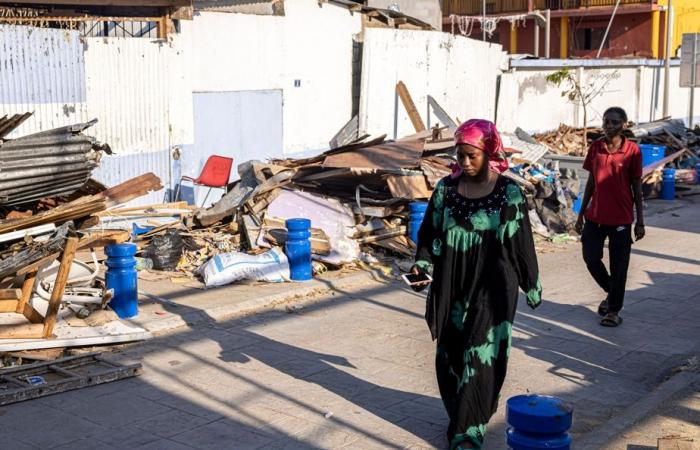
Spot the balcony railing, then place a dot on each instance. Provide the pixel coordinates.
(474, 7)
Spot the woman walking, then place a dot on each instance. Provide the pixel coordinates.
(477, 243)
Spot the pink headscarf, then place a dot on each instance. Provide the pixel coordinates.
(483, 135)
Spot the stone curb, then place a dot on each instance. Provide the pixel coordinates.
(636, 412)
(296, 293)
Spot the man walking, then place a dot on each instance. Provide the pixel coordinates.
(613, 193)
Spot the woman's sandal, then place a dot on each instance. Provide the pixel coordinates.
(611, 320)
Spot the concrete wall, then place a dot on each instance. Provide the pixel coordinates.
(308, 54)
(460, 73)
(428, 11)
(528, 101)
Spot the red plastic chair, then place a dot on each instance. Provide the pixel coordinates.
(215, 174)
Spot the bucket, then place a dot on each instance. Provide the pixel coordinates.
(651, 153)
(298, 249)
(121, 276)
(416, 212)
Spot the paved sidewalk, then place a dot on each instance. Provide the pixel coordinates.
(355, 369)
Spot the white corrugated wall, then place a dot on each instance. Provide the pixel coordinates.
(128, 91)
(42, 71)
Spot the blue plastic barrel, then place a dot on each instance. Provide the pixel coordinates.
(298, 249)
(121, 276)
(668, 184)
(651, 153)
(576, 207)
(538, 422)
(416, 212)
(697, 173)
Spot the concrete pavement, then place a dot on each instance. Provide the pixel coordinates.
(355, 369)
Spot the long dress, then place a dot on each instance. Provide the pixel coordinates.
(479, 252)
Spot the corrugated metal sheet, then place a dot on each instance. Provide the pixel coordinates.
(46, 164)
(42, 71)
(128, 90)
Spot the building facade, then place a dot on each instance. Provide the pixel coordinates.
(577, 26)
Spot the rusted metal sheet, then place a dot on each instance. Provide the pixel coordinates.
(46, 164)
(8, 124)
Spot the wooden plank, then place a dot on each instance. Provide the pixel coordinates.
(48, 354)
(675, 443)
(104, 238)
(373, 211)
(22, 331)
(650, 168)
(38, 265)
(32, 315)
(251, 231)
(410, 187)
(384, 235)
(10, 294)
(9, 306)
(131, 189)
(60, 285)
(27, 290)
(410, 106)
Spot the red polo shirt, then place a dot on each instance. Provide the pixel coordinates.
(612, 202)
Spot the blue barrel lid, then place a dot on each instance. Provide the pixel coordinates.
(524, 441)
(121, 250)
(669, 171)
(539, 414)
(298, 224)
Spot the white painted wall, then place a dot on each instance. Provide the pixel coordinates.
(460, 73)
(311, 43)
(528, 101)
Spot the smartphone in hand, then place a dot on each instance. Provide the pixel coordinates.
(416, 279)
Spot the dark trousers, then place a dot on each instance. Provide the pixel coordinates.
(620, 247)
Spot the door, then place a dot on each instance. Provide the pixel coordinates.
(242, 125)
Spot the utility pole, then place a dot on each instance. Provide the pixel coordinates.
(607, 30)
(483, 20)
(547, 32)
(667, 65)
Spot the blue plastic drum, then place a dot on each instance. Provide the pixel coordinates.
(122, 277)
(298, 249)
(517, 440)
(416, 213)
(539, 414)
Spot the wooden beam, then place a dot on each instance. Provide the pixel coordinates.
(60, 285)
(82, 3)
(33, 316)
(411, 109)
(38, 265)
(27, 290)
(10, 294)
(8, 306)
(22, 331)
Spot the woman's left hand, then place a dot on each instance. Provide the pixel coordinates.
(639, 231)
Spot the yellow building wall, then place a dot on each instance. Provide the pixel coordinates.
(686, 19)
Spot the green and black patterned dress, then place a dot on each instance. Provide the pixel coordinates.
(479, 252)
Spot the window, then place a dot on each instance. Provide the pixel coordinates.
(590, 38)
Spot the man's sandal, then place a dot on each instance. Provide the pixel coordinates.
(611, 320)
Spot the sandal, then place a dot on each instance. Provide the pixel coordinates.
(603, 308)
(611, 320)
